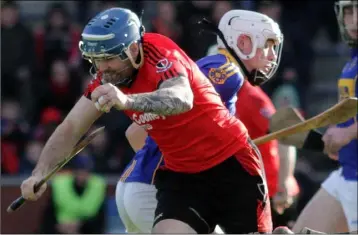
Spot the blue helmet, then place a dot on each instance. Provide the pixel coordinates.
(110, 33)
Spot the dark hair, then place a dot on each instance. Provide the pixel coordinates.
(60, 8)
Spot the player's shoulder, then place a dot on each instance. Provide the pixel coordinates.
(160, 52)
(213, 61)
(350, 68)
(218, 68)
(256, 96)
(158, 45)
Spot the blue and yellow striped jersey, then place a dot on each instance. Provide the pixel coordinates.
(348, 87)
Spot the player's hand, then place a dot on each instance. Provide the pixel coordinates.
(334, 139)
(27, 188)
(107, 96)
(282, 200)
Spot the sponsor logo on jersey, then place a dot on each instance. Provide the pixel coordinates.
(146, 117)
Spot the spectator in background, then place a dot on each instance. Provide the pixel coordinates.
(286, 93)
(287, 77)
(13, 136)
(77, 201)
(165, 21)
(31, 154)
(98, 149)
(189, 13)
(50, 118)
(61, 89)
(271, 8)
(17, 56)
(297, 52)
(219, 9)
(57, 38)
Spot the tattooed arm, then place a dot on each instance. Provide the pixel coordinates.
(174, 96)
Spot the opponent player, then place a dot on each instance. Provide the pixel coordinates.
(209, 157)
(339, 190)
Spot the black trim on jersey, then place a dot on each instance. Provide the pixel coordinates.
(149, 55)
(156, 53)
(179, 73)
(165, 76)
(160, 83)
(149, 60)
(171, 74)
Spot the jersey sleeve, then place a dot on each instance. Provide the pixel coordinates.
(262, 114)
(164, 63)
(256, 116)
(226, 77)
(168, 68)
(94, 83)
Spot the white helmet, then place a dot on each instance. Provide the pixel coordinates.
(258, 27)
(339, 9)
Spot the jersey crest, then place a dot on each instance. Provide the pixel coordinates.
(221, 74)
(217, 75)
(163, 65)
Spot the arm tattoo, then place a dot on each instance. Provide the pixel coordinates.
(174, 96)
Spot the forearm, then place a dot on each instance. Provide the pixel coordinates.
(166, 102)
(173, 97)
(58, 146)
(287, 162)
(66, 135)
(136, 136)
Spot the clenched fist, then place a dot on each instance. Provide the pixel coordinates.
(27, 188)
(107, 96)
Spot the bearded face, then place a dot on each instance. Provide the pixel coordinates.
(114, 70)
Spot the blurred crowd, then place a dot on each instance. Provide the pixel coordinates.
(43, 74)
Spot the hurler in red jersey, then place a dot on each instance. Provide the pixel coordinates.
(213, 175)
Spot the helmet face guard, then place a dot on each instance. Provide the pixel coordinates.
(340, 8)
(94, 50)
(258, 77)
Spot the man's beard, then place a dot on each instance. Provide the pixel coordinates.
(116, 77)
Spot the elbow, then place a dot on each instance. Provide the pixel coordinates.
(131, 132)
(68, 129)
(136, 136)
(187, 101)
(188, 105)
